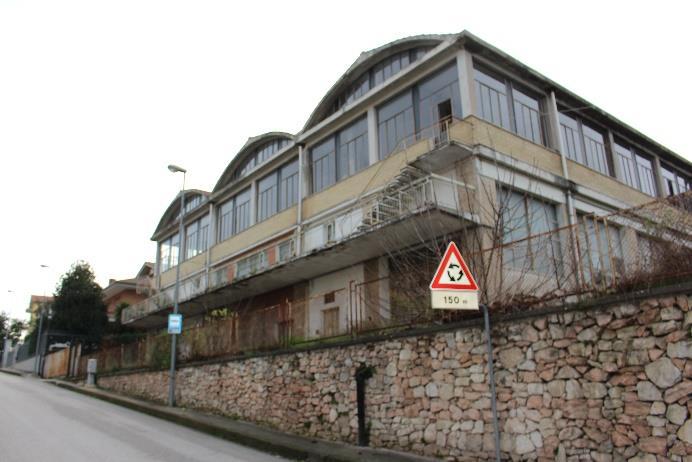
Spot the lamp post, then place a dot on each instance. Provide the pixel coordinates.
(39, 350)
(174, 337)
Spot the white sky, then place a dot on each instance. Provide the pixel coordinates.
(97, 98)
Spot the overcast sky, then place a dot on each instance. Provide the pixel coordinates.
(97, 98)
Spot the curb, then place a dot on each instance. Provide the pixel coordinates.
(247, 434)
(12, 372)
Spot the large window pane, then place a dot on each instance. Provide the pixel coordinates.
(323, 165)
(525, 222)
(595, 150)
(225, 223)
(625, 160)
(288, 189)
(267, 192)
(571, 138)
(395, 122)
(435, 90)
(646, 175)
(527, 114)
(491, 95)
(196, 237)
(601, 248)
(241, 209)
(353, 149)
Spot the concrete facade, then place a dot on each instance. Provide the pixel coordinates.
(464, 158)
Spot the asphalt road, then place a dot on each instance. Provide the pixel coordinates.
(41, 422)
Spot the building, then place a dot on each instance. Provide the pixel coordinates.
(128, 291)
(321, 232)
(36, 304)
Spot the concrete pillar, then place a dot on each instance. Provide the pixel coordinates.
(157, 282)
(373, 136)
(466, 90)
(658, 175)
(554, 133)
(211, 238)
(253, 203)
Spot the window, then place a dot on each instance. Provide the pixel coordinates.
(441, 89)
(378, 74)
(267, 189)
(352, 152)
(288, 185)
(601, 248)
(323, 165)
(594, 150)
(500, 103)
(627, 166)
(285, 251)
(234, 215)
(329, 297)
(674, 182)
(260, 156)
(646, 175)
(196, 237)
(584, 144)
(636, 171)
(571, 138)
(169, 252)
(526, 219)
(492, 99)
(527, 115)
(225, 220)
(241, 209)
(277, 191)
(340, 156)
(395, 122)
(251, 265)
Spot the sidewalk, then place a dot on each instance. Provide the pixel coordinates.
(265, 439)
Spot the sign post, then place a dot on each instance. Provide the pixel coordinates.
(453, 288)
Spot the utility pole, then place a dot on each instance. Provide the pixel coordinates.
(174, 337)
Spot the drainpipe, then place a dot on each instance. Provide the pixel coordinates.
(362, 375)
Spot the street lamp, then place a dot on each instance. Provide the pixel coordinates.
(171, 382)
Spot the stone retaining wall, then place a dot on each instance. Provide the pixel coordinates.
(608, 384)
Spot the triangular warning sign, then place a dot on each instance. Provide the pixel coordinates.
(453, 274)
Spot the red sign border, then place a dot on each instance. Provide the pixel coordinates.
(437, 285)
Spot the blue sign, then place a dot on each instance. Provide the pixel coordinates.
(175, 323)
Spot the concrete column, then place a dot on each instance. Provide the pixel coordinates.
(157, 283)
(253, 203)
(658, 175)
(617, 170)
(466, 90)
(373, 136)
(554, 134)
(211, 239)
(304, 168)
